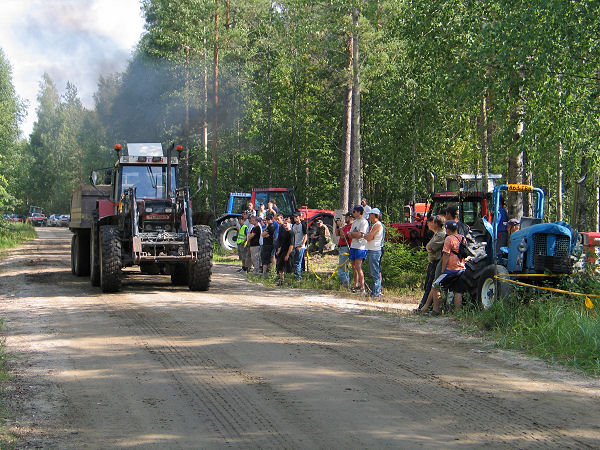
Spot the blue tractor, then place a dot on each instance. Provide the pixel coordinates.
(536, 248)
(226, 225)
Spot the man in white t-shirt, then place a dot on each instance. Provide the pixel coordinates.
(358, 248)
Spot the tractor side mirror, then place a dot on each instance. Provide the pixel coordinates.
(94, 178)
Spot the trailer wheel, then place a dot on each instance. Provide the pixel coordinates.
(226, 234)
(179, 274)
(486, 288)
(110, 258)
(80, 256)
(94, 257)
(201, 269)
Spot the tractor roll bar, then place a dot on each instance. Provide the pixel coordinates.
(539, 205)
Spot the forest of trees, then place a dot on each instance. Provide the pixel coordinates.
(337, 98)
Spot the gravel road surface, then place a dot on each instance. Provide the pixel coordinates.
(244, 366)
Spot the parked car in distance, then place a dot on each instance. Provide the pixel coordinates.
(37, 219)
(53, 220)
(16, 218)
(63, 220)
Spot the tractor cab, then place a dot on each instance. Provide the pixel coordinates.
(145, 167)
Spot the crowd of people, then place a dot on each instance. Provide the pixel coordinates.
(266, 238)
(447, 261)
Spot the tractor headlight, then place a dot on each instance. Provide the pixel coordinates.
(168, 210)
(523, 246)
(167, 227)
(148, 210)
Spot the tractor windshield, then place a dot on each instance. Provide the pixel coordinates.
(281, 200)
(150, 181)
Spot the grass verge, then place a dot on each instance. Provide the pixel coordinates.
(556, 328)
(14, 233)
(7, 439)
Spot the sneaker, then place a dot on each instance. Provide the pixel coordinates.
(354, 289)
(241, 270)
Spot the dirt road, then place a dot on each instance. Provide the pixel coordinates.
(250, 367)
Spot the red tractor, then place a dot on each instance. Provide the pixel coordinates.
(138, 217)
(472, 205)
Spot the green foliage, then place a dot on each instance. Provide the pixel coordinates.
(403, 266)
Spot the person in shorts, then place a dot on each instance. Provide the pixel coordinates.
(358, 248)
(452, 267)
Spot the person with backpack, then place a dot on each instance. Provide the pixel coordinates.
(454, 254)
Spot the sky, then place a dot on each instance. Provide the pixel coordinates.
(71, 40)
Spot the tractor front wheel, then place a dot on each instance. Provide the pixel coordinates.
(226, 234)
(110, 258)
(201, 269)
(490, 290)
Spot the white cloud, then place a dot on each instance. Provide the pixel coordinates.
(72, 40)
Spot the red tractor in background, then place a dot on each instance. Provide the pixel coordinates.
(472, 205)
(285, 199)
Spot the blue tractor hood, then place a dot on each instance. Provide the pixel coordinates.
(552, 230)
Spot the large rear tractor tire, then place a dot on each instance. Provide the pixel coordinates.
(94, 257)
(490, 291)
(226, 234)
(110, 258)
(179, 274)
(80, 253)
(201, 269)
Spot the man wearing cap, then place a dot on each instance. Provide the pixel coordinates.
(358, 248)
(512, 226)
(343, 247)
(374, 244)
(322, 236)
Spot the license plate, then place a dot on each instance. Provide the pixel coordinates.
(157, 217)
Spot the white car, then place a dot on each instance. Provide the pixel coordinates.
(63, 220)
(53, 220)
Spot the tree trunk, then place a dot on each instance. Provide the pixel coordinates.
(559, 183)
(484, 144)
(186, 128)
(269, 119)
(347, 138)
(515, 172)
(579, 215)
(527, 179)
(215, 139)
(355, 162)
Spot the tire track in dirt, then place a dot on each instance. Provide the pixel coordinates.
(472, 408)
(236, 413)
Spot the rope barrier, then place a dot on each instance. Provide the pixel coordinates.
(310, 266)
(504, 278)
